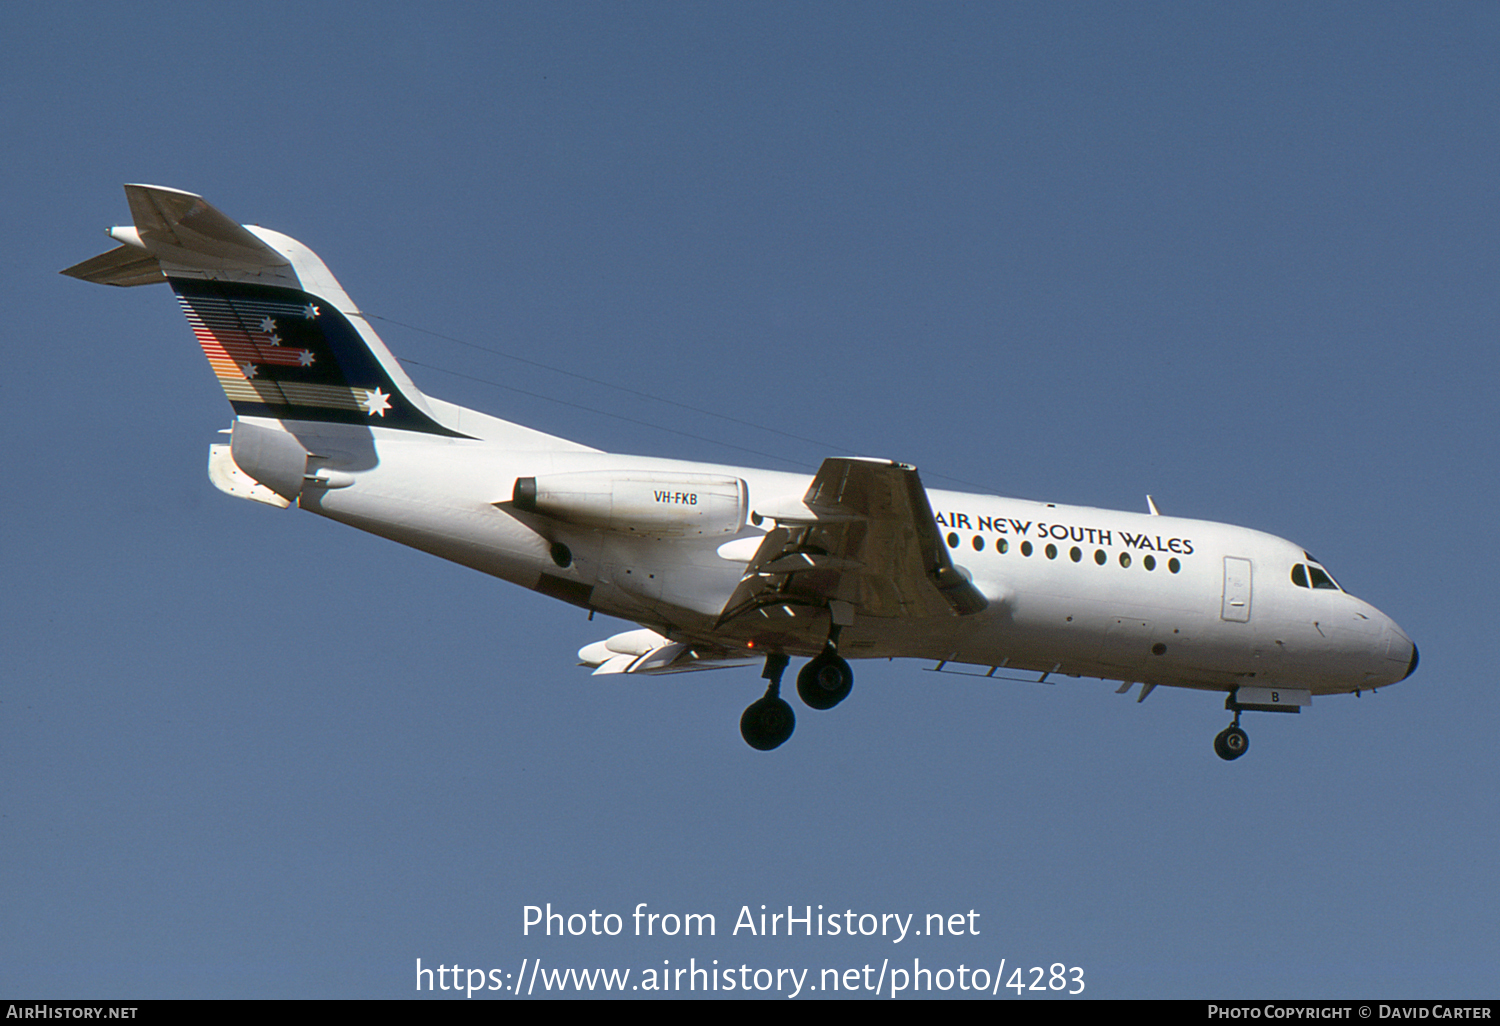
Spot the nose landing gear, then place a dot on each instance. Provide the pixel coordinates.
(1232, 742)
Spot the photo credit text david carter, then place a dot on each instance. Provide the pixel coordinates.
(906, 974)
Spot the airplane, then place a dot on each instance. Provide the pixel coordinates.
(724, 566)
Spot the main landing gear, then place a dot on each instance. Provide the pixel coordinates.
(767, 723)
(823, 683)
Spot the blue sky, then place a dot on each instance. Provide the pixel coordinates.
(1243, 259)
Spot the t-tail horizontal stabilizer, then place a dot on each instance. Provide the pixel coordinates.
(279, 332)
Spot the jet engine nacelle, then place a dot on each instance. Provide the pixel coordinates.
(652, 503)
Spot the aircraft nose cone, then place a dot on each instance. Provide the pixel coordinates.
(1399, 649)
(1411, 667)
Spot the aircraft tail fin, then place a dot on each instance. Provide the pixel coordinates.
(279, 332)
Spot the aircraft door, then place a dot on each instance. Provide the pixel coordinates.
(1236, 607)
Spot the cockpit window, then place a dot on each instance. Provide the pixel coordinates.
(1306, 575)
(1320, 578)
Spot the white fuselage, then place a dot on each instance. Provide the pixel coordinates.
(1071, 590)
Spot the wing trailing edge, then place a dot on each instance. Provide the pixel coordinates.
(646, 651)
(862, 538)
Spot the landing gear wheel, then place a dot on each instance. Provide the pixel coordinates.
(767, 723)
(1231, 743)
(825, 681)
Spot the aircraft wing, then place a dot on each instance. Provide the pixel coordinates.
(863, 540)
(646, 651)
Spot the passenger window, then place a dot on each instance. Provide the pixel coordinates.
(1100, 557)
(1174, 564)
(1051, 551)
(1125, 559)
(1026, 548)
(952, 540)
(1299, 576)
(1075, 554)
(978, 543)
(1149, 562)
(1002, 546)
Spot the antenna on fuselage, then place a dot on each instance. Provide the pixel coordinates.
(1151, 507)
